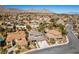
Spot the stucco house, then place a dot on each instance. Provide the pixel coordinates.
(53, 34)
(16, 38)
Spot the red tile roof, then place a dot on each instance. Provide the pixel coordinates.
(19, 35)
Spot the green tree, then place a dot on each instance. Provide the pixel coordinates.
(62, 29)
(28, 27)
(42, 26)
(17, 17)
(3, 51)
(52, 20)
(50, 26)
(52, 41)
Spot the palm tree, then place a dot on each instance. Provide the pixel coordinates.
(27, 34)
(17, 17)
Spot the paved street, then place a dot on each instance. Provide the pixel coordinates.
(71, 47)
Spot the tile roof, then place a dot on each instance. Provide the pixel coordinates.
(19, 35)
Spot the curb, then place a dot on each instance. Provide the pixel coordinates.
(37, 49)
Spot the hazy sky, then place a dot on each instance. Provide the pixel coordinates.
(53, 8)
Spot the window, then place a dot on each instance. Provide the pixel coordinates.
(31, 34)
(13, 42)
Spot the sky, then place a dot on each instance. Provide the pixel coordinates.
(52, 8)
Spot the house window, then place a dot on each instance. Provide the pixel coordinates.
(31, 34)
(13, 42)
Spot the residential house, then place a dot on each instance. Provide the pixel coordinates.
(21, 26)
(34, 24)
(16, 38)
(53, 34)
(39, 39)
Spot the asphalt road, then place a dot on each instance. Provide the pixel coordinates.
(71, 47)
